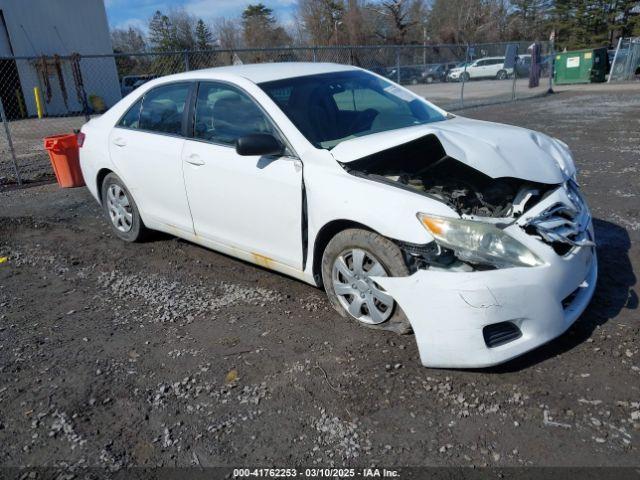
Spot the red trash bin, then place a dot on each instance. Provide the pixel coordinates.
(65, 159)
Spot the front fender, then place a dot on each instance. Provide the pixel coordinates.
(335, 195)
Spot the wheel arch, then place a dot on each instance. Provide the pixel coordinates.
(322, 239)
(102, 173)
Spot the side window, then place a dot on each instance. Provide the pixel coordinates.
(224, 113)
(132, 117)
(162, 108)
(480, 63)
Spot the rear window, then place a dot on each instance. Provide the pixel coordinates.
(132, 117)
(163, 107)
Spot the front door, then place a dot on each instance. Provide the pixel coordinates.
(249, 203)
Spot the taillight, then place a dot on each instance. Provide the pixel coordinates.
(80, 136)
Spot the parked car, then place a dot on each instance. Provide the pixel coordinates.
(523, 66)
(474, 235)
(408, 75)
(438, 72)
(488, 67)
(130, 82)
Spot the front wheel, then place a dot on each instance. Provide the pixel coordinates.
(465, 77)
(349, 263)
(121, 210)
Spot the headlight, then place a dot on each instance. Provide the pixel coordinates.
(479, 242)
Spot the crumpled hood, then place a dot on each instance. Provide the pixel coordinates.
(495, 149)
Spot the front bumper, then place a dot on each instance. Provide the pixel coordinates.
(448, 310)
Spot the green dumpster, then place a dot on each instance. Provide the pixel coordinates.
(580, 66)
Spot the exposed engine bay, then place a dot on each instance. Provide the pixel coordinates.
(423, 165)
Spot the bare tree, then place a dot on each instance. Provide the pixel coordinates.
(129, 40)
(322, 20)
(399, 21)
(228, 33)
(359, 23)
(468, 21)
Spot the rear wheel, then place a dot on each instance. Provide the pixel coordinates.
(350, 262)
(121, 210)
(501, 75)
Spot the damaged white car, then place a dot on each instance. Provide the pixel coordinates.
(473, 235)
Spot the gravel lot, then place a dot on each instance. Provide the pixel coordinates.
(165, 353)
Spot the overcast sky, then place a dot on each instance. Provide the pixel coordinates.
(123, 13)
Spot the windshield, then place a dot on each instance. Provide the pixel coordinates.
(332, 107)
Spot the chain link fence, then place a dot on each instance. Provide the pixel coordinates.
(625, 65)
(45, 96)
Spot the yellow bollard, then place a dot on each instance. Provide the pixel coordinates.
(36, 93)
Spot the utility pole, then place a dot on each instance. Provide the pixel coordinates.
(424, 47)
(552, 59)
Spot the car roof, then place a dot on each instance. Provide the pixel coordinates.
(266, 72)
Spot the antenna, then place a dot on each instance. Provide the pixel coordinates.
(29, 40)
(60, 38)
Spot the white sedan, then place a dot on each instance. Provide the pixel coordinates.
(473, 235)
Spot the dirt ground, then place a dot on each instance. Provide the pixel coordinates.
(167, 354)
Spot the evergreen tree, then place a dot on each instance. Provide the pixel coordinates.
(161, 32)
(260, 28)
(204, 37)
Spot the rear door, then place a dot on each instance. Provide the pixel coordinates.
(249, 203)
(146, 147)
(493, 67)
(478, 69)
(498, 64)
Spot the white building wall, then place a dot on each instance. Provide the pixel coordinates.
(62, 27)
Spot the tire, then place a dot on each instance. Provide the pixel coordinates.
(414, 81)
(429, 79)
(501, 75)
(465, 77)
(380, 255)
(121, 210)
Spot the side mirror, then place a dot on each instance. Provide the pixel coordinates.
(259, 144)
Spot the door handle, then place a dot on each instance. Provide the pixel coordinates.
(194, 159)
(120, 142)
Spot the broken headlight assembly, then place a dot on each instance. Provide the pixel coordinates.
(479, 242)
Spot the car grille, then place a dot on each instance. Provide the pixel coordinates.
(500, 333)
(564, 225)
